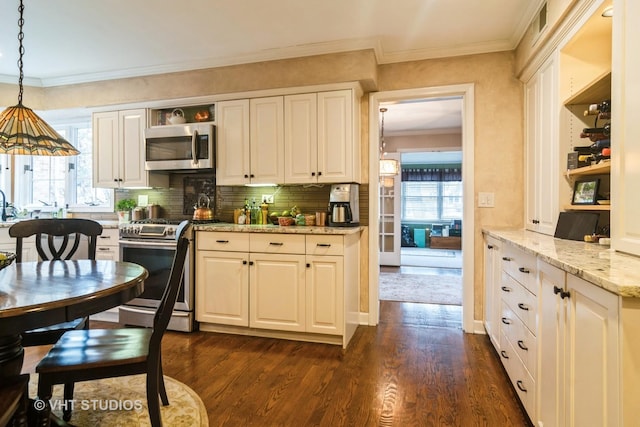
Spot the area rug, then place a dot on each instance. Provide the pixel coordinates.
(122, 402)
(423, 288)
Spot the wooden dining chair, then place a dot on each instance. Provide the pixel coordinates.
(84, 355)
(14, 400)
(62, 237)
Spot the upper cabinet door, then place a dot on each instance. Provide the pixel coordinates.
(233, 155)
(338, 143)
(301, 138)
(132, 124)
(267, 140)
(106, 150)
(625, 131)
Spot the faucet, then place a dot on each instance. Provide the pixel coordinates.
(4, 206)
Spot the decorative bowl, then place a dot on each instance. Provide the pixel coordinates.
(286, 220)
(6, 258)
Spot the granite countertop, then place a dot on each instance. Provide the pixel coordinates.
(293, 229)
(615, 271)
(104, 223)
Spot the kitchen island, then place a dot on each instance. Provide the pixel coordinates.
(564, 318)
(290, 282)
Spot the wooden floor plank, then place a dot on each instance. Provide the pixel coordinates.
(416, 368)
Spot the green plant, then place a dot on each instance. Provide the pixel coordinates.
(125, 204)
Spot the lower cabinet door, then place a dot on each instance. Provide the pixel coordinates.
(222, 291)
(277, 291)
(325, 295)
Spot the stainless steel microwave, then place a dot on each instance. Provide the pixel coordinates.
(180, 147)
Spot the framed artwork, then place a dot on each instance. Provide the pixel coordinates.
(585, 192)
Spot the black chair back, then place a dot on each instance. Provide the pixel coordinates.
(170, 295)
(70, 229)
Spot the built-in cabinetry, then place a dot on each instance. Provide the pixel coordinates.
(625, 227)
(492, 284)
(118, 151)
(289, 139)
(543, 164)
(579, 380)
(518, 322)
(8, 244)
(283, 285)
(107, 246)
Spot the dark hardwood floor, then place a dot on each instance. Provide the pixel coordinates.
(416, 368)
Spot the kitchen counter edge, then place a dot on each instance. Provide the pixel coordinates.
(294, 229)
(614, 271)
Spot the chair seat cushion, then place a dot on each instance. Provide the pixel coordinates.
(51, 334)
(96, 348)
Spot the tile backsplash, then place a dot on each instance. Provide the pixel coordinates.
(178, 200)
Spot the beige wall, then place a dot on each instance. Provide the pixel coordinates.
(499, 140)
(498, 108)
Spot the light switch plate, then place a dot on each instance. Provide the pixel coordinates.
(267, 198)
(486, 200)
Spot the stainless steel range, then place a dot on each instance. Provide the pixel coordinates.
(152, 244)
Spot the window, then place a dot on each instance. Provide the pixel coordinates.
(429, 201)
(50, 182)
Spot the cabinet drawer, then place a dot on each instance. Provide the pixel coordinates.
(522, 381)
(325, 245)
(522, 340)
(277, 243)
(222, 241)
(521, 266)
(109, 237)
(523, 303)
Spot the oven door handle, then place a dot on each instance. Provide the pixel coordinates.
(166, 243)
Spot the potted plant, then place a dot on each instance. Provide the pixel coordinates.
(124, 207)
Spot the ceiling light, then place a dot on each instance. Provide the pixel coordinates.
(21, 130)
(608, 12)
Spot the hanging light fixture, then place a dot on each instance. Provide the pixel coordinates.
(21, 130)
(388, 167)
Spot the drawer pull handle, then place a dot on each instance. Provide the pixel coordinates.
(324, 245)
(504, 354)
(222, 241)
(521, 306)
(489, 246)
(556, 290)
(506, 321)
(522, 346)
(520, 386)
(524, 270)
(506, 258)
(505, 289)
(276, 243)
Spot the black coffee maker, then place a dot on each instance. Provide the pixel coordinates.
(344, 205)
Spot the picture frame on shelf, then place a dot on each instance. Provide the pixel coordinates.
(585, 192)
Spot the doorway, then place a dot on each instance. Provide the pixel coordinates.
(465, 93)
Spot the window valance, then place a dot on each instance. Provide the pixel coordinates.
(432, 174)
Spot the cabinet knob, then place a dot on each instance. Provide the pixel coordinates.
(244, 262)
(535, 221)
(556, 290)
(489, 246)
(313, 174)
(246, 176)
(252, 176)
(250, 262)
(319, 173)
(308, 265)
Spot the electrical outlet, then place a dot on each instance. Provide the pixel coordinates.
(267, 198)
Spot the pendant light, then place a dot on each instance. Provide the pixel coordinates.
(21, 130)
(388, 167)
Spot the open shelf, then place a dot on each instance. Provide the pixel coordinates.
(596, 91)
(587, 207)
(599, 169)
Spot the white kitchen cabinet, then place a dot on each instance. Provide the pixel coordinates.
(518, 323)
(250, 141)
(579, 357)
(625, 132)
(119, 153)
(107, 246)
(8, 244)
(222, 278)
(291, 286)
(543, 164)
(492, 283)
(301, 138)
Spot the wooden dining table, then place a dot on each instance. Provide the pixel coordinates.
(39, 294)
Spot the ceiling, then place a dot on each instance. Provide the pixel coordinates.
(74, 41)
